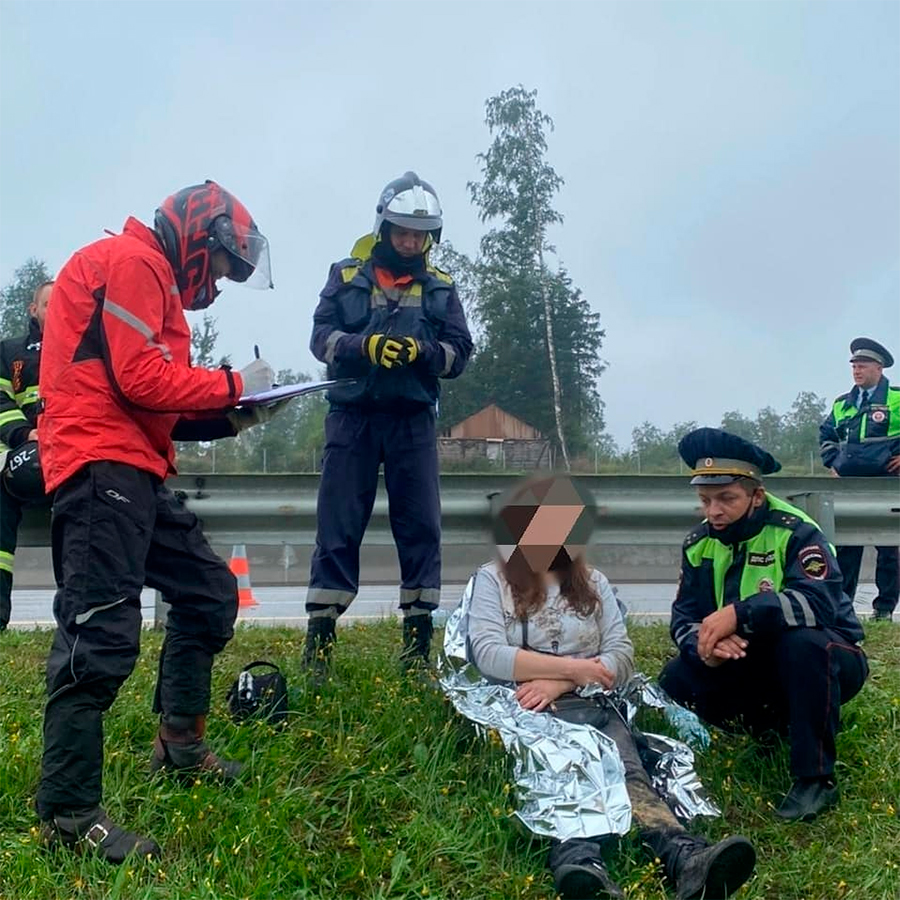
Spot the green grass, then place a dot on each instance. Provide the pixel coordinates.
(378, 790)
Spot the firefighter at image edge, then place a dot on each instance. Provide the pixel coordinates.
(21, 479)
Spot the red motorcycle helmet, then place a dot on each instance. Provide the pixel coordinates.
(198, 220)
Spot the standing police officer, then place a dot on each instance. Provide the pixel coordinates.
(861, 436)
(764, 632)
(118, 387)
(20, 406)
(392, 321)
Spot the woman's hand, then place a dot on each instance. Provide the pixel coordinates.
(538, 694)
(591, 671)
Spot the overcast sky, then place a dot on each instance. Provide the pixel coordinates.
(732, 169)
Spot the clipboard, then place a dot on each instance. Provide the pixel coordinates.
(289, 391)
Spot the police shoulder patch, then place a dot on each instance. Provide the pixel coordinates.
(814, 562)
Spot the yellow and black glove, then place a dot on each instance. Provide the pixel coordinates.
(390, 352)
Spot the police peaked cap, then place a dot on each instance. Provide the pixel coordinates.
(717, 457)
(867, 350)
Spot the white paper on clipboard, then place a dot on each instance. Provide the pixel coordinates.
(284, 392)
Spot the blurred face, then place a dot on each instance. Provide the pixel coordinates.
(407, 242)
(866, 374)
(38, 308)
(539, 520)
(726, 503)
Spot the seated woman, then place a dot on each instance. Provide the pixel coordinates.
(542, 618)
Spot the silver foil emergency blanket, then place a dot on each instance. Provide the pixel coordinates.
(570, 781)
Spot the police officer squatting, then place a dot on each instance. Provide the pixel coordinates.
(21, 480)
(861, 437)
(118, 387)
(767, 638)
(393, 322)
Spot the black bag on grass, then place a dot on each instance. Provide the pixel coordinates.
(259, 696)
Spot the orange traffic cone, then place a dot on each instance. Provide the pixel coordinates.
(240, 568)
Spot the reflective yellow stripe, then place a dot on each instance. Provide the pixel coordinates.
(6, 561)
(29, 395)
(348, 273)
(12, 415)
(439, 273)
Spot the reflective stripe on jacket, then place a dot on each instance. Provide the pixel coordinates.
(859, 439)
(115, 368)
(785, 576)
(20, 402)
(353, 305)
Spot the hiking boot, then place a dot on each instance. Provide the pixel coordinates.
(578, 871)
(807, 798)
(701, 872)
(320, 640)
(92, 830)
(179, 747)
(417, 632)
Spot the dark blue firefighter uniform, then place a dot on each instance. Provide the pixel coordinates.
(387, 416)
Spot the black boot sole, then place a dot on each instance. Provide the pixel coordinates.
(574, 883)
(730, 866)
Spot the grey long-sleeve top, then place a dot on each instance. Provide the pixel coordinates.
(495, 633)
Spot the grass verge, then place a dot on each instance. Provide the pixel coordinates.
(378, 790)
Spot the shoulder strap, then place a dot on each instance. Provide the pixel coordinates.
(697, 535)
(524, 623)
(260, 662)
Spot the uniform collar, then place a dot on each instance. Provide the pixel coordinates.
(34, 330)
(879, 392)
(387, 279)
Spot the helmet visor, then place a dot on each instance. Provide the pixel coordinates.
(249, 252)
(415, 208)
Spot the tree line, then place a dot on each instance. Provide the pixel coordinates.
(537, 340)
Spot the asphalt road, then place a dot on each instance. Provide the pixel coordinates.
(283, 605)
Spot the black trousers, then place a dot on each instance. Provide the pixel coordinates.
(10, 517)
(794, 683)
(887, 574)
(356, 443)
(114, 529)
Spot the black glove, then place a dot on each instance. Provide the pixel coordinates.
(390, 352)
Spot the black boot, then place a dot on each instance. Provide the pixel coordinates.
(320, 639)
(92, 830)
(578, 871)
(807, 798)
(417, 632)
(701, 872)
(179, 747)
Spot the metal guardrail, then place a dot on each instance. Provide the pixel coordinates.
(637, 510)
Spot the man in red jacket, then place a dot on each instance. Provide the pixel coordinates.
(118, 386)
